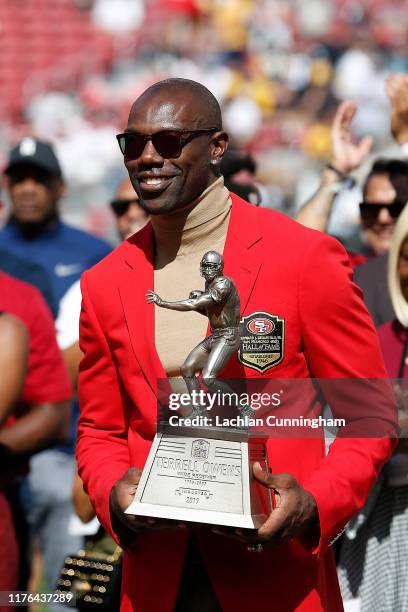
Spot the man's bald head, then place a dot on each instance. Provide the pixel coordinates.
(180, 143)
(203, 105)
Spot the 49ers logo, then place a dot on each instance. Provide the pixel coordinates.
(262, 341)
(261, 326)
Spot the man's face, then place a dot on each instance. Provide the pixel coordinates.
(34, 194)
(210, 269)
(165, 185)
(378, 232)
(403, 269)
(135, 217)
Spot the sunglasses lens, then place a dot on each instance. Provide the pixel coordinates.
(120, 207)
(167, 144)
(396, 209)
(369, 212)
(131, 145)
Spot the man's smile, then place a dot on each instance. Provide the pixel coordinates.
(154, 184)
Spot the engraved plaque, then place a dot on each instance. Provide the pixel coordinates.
(204, 479)
(189, 477)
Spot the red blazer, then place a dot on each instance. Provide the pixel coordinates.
(285, 269)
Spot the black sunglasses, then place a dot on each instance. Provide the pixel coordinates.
(168, 143)
(369, 211)
(120, 207)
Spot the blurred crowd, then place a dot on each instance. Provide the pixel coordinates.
(279, 68)
(315, 98)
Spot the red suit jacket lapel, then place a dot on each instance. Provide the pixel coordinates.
(242, 260)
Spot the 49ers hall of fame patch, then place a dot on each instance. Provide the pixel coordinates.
(262, 341)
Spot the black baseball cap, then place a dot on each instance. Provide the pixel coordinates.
(34, 152)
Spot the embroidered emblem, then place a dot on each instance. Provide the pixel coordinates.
(262, 339)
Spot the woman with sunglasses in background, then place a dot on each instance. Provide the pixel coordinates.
(385, 193)
(373, 560)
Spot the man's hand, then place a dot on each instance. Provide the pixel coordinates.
(121, 497)
(195, 294)
(152, 297)
(295, 513)
(346, 154)
(397, 91)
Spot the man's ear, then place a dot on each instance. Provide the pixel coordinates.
(219, 145)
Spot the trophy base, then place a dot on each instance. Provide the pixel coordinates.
(204, 475)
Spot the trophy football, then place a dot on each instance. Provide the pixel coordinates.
(202, 473)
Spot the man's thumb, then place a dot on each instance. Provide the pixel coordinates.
(261, 476)
(272, 481)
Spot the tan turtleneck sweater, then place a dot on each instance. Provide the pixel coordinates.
(181, 239)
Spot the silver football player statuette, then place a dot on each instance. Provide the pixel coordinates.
(178, 481)
(220, 303)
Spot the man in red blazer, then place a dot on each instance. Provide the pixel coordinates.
(301, 279)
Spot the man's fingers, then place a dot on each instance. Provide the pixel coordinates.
(348, 112)
(274, 525)
(272, 481)
(258, 472)
(125, 489)
(344, 116)
(365, 145)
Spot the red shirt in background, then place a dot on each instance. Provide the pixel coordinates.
(47, 379)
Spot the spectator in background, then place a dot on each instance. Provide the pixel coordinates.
(13, 360)
(130, 216)
(36, 231)
(373, 562)
(239, 172)
(385, 195)
(41, 418)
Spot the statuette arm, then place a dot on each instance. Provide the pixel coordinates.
(198, 303)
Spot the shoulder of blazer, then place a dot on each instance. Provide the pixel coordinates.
(134, 251)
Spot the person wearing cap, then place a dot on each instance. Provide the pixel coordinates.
(34, 229)
(36, 232)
